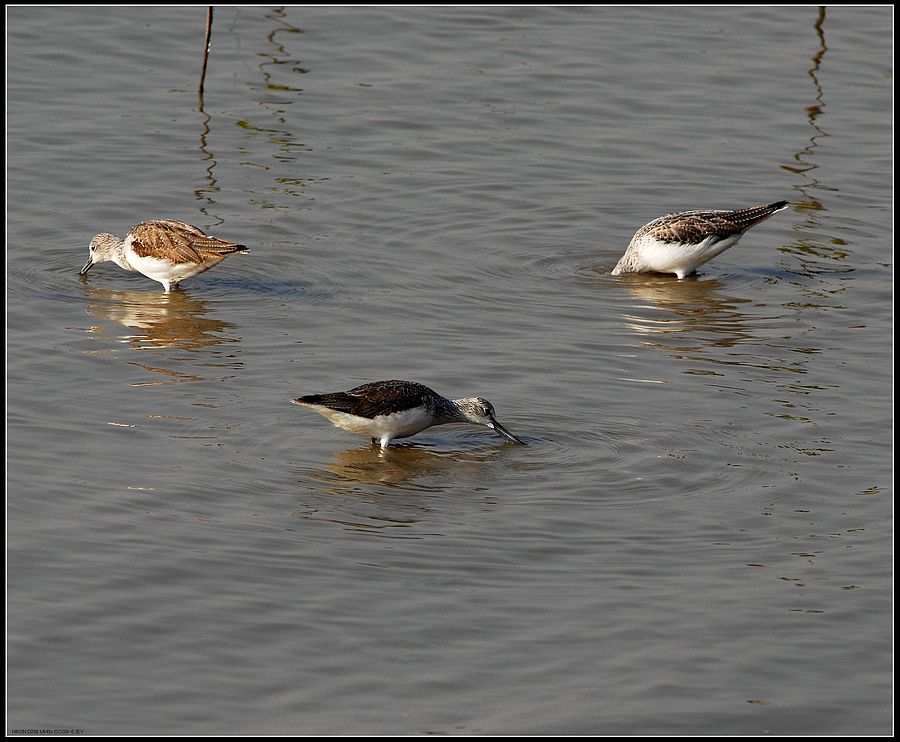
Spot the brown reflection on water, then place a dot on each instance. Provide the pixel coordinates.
(695, 310)
(803, 164)
(400, 465)
(812, 246)
(396, 492)
(157, 320)
(692, 320)
(206, 193)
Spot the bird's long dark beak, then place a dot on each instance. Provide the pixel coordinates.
(504, 432)
(87, 267)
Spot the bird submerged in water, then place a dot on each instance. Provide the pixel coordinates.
(165, 250)
(680, 243)
(384, 410)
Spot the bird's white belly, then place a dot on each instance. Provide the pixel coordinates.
(398, 425)
(680, 257)
(163, 270)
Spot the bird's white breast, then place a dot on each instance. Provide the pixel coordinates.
(679, 257)
(398, 425)
(159, 269)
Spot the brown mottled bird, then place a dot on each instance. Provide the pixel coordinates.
(680, 243)
(165, 250)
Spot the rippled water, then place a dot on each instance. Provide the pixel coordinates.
(696, 538)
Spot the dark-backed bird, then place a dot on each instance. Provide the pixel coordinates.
(384, 410)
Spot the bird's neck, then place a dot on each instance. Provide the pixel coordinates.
(448, 411)
(118, 256)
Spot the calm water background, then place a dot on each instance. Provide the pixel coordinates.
(697, 537)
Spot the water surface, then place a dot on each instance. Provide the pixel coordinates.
(697, 538)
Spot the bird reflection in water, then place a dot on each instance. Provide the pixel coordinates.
(402, 465)
(693, 320)
(154, 320)
(397, 492)
(694, 311)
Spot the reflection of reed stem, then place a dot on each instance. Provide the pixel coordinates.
(209, 19)
(817, 57)
(814, 111)
(818, 24)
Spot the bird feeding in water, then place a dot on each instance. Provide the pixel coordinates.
(165, 250)
(680, 243)
(384, 410)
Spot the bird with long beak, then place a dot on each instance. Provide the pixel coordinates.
(385, 410)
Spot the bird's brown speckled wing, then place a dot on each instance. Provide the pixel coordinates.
(692, 227)
(179, 242)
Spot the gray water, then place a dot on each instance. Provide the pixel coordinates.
(697, 537)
